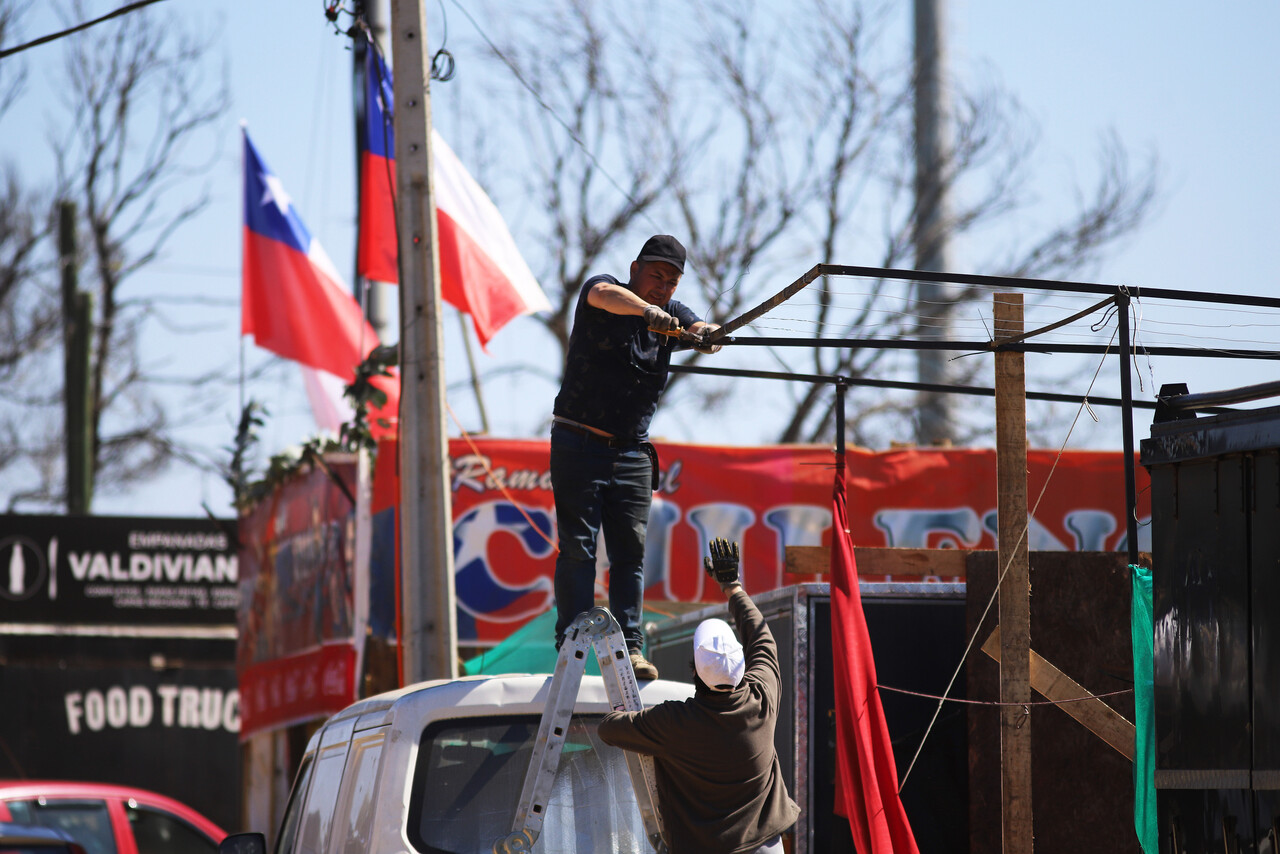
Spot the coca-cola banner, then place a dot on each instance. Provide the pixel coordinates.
(767, 498)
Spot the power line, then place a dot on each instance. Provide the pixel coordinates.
(77, 28)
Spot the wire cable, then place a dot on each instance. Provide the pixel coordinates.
(996, 591)
(123, 10)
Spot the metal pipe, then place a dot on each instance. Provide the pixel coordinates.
(976, 347)
(841, 387)
(1016, 282)
(904, 385)
(1205, 399)
(1126, 426)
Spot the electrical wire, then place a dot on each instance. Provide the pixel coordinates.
(123, 10)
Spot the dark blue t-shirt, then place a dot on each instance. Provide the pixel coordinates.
(617, 366)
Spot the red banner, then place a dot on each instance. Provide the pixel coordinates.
(297, 640)
(296, 688)
(766, 498)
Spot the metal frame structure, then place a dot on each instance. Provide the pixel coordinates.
(1118, 295)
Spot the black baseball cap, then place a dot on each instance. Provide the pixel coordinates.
(663, 247)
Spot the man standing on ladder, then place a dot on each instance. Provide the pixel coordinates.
(603, 468)
(720, 784)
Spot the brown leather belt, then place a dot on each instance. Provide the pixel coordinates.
(608, 441)
(614, 442)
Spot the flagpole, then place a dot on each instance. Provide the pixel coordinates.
(475, 375)
(372, 295)
(428, 629)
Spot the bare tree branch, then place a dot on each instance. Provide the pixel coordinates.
(137, 106)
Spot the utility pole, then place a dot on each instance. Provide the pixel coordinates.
(77, 316)
(934, 167)
(429, 636)
(372, 296)
(1015, 586)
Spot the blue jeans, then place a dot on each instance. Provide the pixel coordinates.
(597, 487)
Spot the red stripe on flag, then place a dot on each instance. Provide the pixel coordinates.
(291, 309)
(866, 775)
(471, 282)
(376, 255)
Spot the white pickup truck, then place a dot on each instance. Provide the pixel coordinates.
(437, 768)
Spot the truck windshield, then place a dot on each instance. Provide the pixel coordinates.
(470, 773)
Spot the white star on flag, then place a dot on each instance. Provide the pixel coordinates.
(275, 193)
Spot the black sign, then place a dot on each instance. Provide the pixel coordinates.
(161, 714)
(105, 570)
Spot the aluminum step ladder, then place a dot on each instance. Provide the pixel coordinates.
(596, 629)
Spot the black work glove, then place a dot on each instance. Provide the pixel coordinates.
(658, 320)
(704, 333)
(722, 565)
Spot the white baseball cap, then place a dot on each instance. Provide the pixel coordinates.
(717, 655)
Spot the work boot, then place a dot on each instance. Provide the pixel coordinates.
(642, 666)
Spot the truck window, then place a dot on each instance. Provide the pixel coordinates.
(353, 822)
(293, 812)
(317, 816)
(470, 772)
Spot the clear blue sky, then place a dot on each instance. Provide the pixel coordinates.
(1196, 83)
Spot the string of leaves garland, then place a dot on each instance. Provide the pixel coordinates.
(353, 436)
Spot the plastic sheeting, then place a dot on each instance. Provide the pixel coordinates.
(1144, 754)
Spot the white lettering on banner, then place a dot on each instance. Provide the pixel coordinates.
(669, 480)
(663, 516)
(960, 527)
(155, 566)
(717, 520)
(141, 706)
(1090, 529)
(334, 679)
(117, 707)
(167, 695)
(189, 707)
(185, 540)
(1039, 538)
(94, 710)
(796, 525)
(134, 707)
(477, 473)
(75, 710)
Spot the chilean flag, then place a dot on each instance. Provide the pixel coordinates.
(481, 270)
(292, 300)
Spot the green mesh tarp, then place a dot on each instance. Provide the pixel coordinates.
(1144, 754)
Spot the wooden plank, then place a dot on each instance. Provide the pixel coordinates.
(1093, 714)
(816, 560)
(1015, 587)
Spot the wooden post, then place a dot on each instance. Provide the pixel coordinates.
(1015, 589)
(77, 324)
(428, 630)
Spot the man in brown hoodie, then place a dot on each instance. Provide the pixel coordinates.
(720, 784)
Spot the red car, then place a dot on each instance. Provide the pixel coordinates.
(107, 819)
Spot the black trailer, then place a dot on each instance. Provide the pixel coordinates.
(1215, 498)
